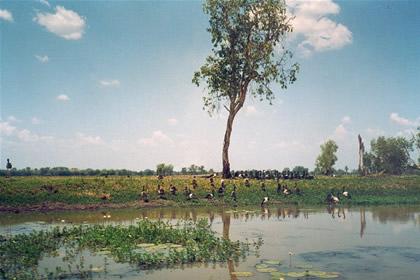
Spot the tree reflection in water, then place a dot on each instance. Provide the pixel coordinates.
(362, 222)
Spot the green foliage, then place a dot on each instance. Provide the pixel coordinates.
(193, 170)
(65, 171)
(327, 158)
(300, 169)
(164, 169)
(172, 244)
(388, 155)
(247, 38)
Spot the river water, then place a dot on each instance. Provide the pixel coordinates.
(358, 243)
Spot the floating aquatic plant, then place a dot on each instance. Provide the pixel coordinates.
(148, 244)
(242, 273)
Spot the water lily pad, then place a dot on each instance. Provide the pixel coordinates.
(323, 274)
(296, 274)
(267, 270)
(278, 275)
(174, 246)
(155, 248)
(272, 262)
(104, 252)
(242, 273)
(303, 266)
(261, 266)
(145, 245)
(97, 269)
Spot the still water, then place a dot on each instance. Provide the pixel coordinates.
(359, 243)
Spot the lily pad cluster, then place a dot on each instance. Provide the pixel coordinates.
(279, 272)
(146, 245)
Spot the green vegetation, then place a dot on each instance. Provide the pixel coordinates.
(326, 160)
(79, 192)
(248, 57)
(172, 245)
(277, 270)
(389, 155)
(164, 169)
(161, 169)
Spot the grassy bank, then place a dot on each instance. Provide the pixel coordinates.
(49, 193)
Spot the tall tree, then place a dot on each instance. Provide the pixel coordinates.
(390, 155)
(327, 158)
(361, 154)
(248, 56)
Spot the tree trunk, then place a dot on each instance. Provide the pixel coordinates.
(226, 144)
(361, 154)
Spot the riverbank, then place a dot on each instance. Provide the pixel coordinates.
(68, 193)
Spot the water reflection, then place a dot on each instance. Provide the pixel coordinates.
(283, 229)
(362, 222)
(380, 214)
(400, 214)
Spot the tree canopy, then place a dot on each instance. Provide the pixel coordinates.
(248, 56)
(388, 155)
(164, 169)
(327, 158)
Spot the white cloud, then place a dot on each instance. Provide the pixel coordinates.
(340, 131)
(64, 23)
(6, 15)
(396, 118)
(292, 145)
(42, 58)
(316, 31)
(12, 119)
(251, 111)
(89, 140)
(346, 119)
(45, 2)
(24, 135)
(6, 128)
(27, 136)
(172, 121)
(35, 120)
(63, 97)
(157, 138)
(109, 83)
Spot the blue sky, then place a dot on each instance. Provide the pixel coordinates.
(107, 84)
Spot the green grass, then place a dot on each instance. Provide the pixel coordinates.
(29, 191)
(148, 244)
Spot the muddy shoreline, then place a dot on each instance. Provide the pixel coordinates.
(58, 206)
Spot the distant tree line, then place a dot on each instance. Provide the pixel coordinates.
(65, 171)
(392, 155)
(388, 155)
